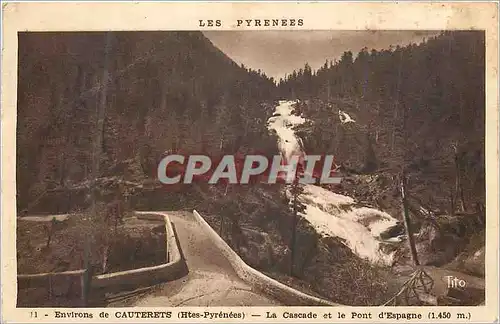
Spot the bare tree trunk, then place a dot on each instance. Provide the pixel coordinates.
(310, 254)
(407, 221)
(49, 231)
(96, 155)
(452, 202)
(292, 244)
(396, 106)
(394, 126)
(328, 90)
(295, 203)
(462, 199)
(105, 259)
(459, 190)
(221, 225)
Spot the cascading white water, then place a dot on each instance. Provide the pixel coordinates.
(329, 213)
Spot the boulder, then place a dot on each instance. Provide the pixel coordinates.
(258, 248)
(393, 231)
(471, 263)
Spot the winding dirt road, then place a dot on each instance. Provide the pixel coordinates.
(211, 280)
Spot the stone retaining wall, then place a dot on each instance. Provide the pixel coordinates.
(287, 295)
(171, 270)
(148, 275)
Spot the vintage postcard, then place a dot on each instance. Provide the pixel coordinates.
(249, 162)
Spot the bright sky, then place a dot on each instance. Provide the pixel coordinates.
(280, 52)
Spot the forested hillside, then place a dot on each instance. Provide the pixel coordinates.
(417, 109)
(153, 91)
(111, 105)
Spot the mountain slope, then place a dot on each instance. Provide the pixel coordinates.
(164, 91)
(418, 109)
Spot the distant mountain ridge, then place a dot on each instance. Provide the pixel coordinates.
(418, 109)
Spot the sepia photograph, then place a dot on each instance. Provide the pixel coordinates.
(251, 167)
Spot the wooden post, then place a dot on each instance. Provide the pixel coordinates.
(407, 221)
(85, 287)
